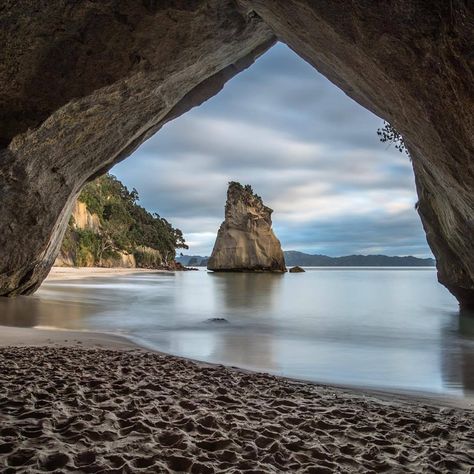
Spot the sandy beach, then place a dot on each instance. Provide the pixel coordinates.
(85, 402)
(75, 273)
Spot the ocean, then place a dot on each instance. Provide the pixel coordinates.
(381, 328)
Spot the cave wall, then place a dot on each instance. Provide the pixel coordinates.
(82, 84)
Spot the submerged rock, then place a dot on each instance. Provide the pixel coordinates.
(245, 241)
(217, 320)
(296, 269)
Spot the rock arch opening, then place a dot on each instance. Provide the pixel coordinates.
(84, 85)
(311, 152)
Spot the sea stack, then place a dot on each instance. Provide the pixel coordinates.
(245, 241)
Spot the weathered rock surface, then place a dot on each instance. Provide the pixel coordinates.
(245, 240)
(82, 84)
(296, 269)
(83, 219)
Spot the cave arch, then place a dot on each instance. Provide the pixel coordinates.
(84, 83)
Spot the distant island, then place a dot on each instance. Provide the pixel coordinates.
(192, 260)
(292, 258)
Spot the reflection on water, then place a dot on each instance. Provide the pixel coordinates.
(31, 311)
(246, 295)
(243, 291)
(458, 368)
(388, 328)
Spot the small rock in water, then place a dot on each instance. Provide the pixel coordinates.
(297, 269)
(216, 320)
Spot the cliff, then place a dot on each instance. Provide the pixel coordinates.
(245, 240)
(81, 219)
(107, 228)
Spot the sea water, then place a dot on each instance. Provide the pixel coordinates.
(388, 328)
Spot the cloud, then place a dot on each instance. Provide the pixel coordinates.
(311, 152)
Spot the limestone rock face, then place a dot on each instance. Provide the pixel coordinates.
(123, 260)
(245, 240)
(83, 219)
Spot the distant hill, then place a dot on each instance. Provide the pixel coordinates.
(293, 257)
(192, 260)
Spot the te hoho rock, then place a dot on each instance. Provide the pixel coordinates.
(245, 241)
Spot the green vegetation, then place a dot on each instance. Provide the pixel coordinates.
(247, 188)
(124, 226)
(390, 135)
(147, 258)
(88, 245)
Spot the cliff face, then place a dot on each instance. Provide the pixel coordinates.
(245, 241)
(83, 219)
(108, 228)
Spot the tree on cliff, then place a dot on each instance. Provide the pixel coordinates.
(125, 226)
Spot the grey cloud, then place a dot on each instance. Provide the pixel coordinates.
(301, 143)
(393, 235)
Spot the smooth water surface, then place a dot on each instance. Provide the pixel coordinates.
(392, 328)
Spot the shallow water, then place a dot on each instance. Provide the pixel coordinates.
(391, 328)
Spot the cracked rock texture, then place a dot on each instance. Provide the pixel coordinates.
(245, 241)
(83, 83)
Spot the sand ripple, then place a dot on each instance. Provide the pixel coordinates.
(95, 410)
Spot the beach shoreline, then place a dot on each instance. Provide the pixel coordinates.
(77, 273)
(118, 340)
(91, 402)
(87, 401)
(11, 336)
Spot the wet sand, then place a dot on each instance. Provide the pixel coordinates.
(74, 273)
(27, 337)
(75, 401)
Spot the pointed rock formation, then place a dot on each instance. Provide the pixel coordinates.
(245, 241)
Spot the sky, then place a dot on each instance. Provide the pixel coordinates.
(310, 151)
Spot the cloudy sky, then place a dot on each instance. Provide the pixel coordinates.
(311, 152)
